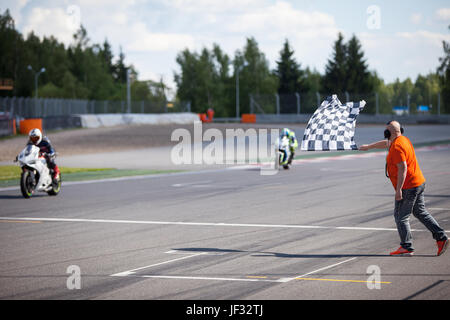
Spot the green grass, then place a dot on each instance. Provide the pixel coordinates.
(10, 175)
(13, 172)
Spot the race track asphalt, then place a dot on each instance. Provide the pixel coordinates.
(321, 230)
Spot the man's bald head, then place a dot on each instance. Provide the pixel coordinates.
(394, 127)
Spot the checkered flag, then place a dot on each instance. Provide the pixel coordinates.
(332, 126)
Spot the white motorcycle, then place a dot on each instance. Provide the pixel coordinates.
(36, 176)
(282, 148)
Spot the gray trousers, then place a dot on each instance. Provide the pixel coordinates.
(413, 202)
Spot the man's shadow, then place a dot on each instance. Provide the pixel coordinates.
(280, 254)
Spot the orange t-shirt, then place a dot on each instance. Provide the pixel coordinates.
(402, 150)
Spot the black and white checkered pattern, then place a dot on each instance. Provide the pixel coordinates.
(332, 126)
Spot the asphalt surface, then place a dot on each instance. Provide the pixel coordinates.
(160, 157)
(321, 230)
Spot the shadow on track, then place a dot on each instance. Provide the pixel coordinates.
(280, 254)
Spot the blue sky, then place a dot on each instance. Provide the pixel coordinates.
(400, 38)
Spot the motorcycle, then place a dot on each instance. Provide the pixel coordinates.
(282, 149)
(36, 176)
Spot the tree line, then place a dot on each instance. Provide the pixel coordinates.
(207, 78)
(82, 70)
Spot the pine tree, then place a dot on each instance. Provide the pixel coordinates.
(288, 71)
(335, 78)
(107, 55)
(358, 75)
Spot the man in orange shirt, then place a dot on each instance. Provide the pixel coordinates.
(409, 184)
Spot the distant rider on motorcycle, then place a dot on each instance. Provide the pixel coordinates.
(43, 143)
(293, 144)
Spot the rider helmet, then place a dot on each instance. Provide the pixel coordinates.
(285, 132)
(35, 136)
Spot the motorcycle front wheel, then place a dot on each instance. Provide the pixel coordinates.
(56, 187)
(26, 184)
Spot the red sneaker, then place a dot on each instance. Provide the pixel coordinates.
(442, 246)
(402, 252)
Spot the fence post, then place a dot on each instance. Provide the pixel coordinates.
(377, 110)
(128, 92)
(41, 108)
(278, 103)
(318, 98)
(439, 104)
(20, 105)
(25, 107)
(11, 109)
(347, 97)
(407, 103)
(298, 102)
(5, 102)
(44, 107)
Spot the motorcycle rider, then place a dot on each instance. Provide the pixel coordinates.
(43, 143)
(293, 144)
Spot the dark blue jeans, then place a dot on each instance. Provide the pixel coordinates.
(413, 202)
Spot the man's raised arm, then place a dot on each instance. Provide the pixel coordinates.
(376, 145)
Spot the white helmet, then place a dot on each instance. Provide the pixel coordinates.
(35, 136)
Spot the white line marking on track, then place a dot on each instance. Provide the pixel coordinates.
(317, 270)
(184, 252)
(129, 272)
(211, 224)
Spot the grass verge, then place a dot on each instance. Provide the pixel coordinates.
(10, 175)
